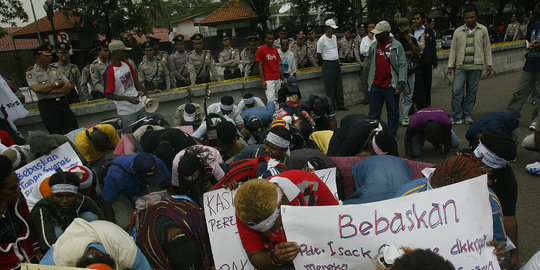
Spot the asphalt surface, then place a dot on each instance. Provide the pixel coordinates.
(493, 95)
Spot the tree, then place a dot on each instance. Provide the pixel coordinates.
(262, 8)
(451, 8)
(11, 10)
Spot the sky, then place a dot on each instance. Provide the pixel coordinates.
(38, 7)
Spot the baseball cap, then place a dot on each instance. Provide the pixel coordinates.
(146, 167)
(403, 24)
(118, 45)
(189, 112)
(383, 26)
(331, 23)
(292, 82)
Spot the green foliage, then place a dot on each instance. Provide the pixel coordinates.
(262, 8)
(11, 10)
(178, 9)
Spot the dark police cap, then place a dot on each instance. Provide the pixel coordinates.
(63, 47)
(310, 30)
(153, 39)
(225, 36)
(102, 45)
(283, 29)
(197, 38)
(301, 34)
(252, 40)
(361, 26)
(349, 28)
(148, 46)
(44, 49)
(178, 39)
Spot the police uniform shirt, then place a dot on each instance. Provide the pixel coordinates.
(346, 49)
(312, 46)
(357, 41)
(97, 68)
(303, 56)
(195, 66)
(229, 58)
(36, 75)
(179, 69)
(154, 71)
(71, 71)
(248, 62)
(84, 90)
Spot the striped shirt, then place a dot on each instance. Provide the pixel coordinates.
(468, 61)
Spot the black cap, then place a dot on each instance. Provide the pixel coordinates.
(432, 20)
(178, 39)
(360, 26)
(153, 39)
(349, 29)
(310, 30)
(197, 38)
(63, 47)
(44, 49)
(101, 45)
(148, 46)
(190, 108)
(225, 36)
(252, 40)
(283, 29)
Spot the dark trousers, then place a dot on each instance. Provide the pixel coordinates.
(331, 71)
(231, 74)
(377, 97)
(57, 116)
(422, 86)
(73, 96)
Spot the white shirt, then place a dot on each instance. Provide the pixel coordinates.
(327, 47)
(242, 104)
(288, 63)
(365, 44)
(235, 115)
(419, 32)
(124, 85)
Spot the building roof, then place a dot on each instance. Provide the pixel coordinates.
(190, 17)
(234, 10)
(61, 22)
(6, 44)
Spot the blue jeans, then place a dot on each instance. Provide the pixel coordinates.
(132, 118)
(379, 95)
(417, 144)
(463, 99)
(406, 98)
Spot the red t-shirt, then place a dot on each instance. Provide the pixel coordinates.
(383, 72)
(269, 57)
(313, 192)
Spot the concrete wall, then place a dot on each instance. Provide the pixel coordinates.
(508, 57)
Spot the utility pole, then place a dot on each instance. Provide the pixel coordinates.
(35, 22)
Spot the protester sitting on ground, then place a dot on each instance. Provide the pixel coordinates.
(422, 259)
(153, 119)
(451, 170)
(129, 176)
(20, 245)
(85, 240)
(139, 133)
(276, 146)
(6, 139)
(290, 93)
(53, 214)
(171, 232)
(95, 142)
(250, 168)
(257, 204)
(532, 143)
(356, 134)
(493, 121)
(19, 155)
(377, 178)
(42, 143)
(258, 118)
(97, 261)
(322, 139)
(249, 101)
(322, 111)
(433, 125)
(189, 114)
(230, 142)
(166, 143)
(225, 107)
(195, 170)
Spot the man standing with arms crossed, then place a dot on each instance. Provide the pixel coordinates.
(269, 67)
(469, 51)
(327, 52)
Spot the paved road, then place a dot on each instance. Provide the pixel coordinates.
(493, 95)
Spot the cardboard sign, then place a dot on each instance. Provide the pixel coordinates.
(63, 157)
(328, 176)
(454, 221)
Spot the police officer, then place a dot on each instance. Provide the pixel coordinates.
(163, 55)
(51, 87)
(229, 58)
(248, 54)
(179, 58)
(71, 71)
(357, 41)
(153, 71)
(283, 32)
(346, 46)
(311, 41)
(97, 68)
(200, 63)
(302, 55)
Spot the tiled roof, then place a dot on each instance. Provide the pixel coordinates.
(234, 10)
(6, 44)
(61, 22)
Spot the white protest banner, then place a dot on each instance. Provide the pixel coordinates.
(454, 221)
(63, 157)
(328, 176)
(11, 104)
(221, 224)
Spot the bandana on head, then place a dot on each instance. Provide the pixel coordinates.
(376, 148)
(59, 188)
(226, 107)
(489, 158)
(267, 224)
(278, 141)
(249, 101)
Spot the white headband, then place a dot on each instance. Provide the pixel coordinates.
(267, 224)
(278, 141)
(376, 148)
(489, 158)
(249, 101)
(59, 188)
(226, 107)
